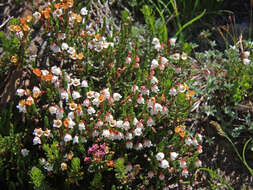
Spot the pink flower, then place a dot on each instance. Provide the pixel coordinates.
(138, 131)
(199, 137)
(161, 176)
(188, 141)
(181, 88)
(99, 123)
(165, 110)
(185, 172)
(150, 122)
(144, 90)
(87, 160)
(129, 144)
(135, 88)
(194, 141)
(182, 164)
(198, 163)
(128, 59)
(173, 91)
(126, 125)
(151, 174)
(139, 146)
(199, 149)
(86, 102)
(140, 100)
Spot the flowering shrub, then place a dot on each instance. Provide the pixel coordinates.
(105, 110)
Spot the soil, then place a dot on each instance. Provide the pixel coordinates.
(219, 156)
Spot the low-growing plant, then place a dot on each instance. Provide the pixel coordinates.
(112, 109)
(103, 110)
(225, 87)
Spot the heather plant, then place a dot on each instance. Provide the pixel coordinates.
(104, 110)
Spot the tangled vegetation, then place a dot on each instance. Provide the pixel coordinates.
(103, 106)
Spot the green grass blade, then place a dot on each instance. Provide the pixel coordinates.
(212, 173)
(165, 33)
(190, 22)
(243, 156)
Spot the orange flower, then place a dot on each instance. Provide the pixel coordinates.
(28, 92)
(47, 77)
(70, 155)
(177, 129)
(70, 3)
(97, 36)
(182, 134)
(57, 5)
(46, 13)
(48, 9)
(25, 27)
(101, 98)
(79, 18)
(47, 132)
(191, 93)
(152, 99)
(79, 108)
(29, 18)
(64, 6)
(22, 21)
(14, 59)
(110, 163)
(66, 123)
(180, 129)
(72, 106)
(29, 101)
(73, 15)
(22, 102)
(163, 97)
(80, 56)
(37, 72)
(17, 28)
(36, 95)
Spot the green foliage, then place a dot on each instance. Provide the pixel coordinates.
(6, 119)
(96, 183)
(9, 45)
(75, 174)
(120, 169)
(38, 179)
(181, 14)
(149, 18)
(227, 91)
(140, 86)
(52, 151)
(13, 167)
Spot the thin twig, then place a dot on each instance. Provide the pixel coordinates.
(5, 22)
